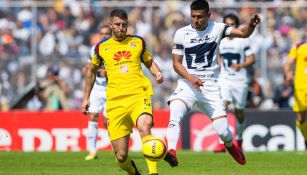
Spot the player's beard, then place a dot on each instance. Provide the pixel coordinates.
(120, 35)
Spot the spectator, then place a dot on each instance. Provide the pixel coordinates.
(55, 89)
(37, 102)
(283, 94)
(255, 93)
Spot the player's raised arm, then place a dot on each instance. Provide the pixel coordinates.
(247, 30)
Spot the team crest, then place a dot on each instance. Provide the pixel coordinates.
(132, 45)
(122, 54)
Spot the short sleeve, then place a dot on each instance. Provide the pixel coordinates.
(226, 31)
(95, 57)
(247, 47)
(292, 52)
(178, 47)
(146, 55)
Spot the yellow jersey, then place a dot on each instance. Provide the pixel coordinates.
(122, 60)
(299, 53)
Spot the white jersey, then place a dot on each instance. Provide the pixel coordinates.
(234, 51)
(200, 49)
(100, 82)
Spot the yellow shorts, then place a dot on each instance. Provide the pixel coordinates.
(300, 100)
(123, 114)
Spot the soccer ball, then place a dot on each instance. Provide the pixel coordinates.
(154, 149)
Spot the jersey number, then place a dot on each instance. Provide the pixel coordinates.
(230, 58)
(200, 57)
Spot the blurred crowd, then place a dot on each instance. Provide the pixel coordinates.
(65, 32)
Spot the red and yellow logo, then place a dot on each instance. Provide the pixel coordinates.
(122, 54)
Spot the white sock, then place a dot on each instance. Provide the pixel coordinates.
(240, 128)
(221, 127)
(92, 131)
(177, 110)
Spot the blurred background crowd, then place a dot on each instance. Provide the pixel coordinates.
(47, 45)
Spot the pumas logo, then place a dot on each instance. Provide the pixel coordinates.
(122, 54)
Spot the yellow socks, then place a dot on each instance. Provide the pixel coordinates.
(126, 166)
(152, 165)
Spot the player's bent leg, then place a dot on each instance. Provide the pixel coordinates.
(220, 147)
(177, 110)
(120, 148)
(92, 132)
(220, 124)
(144, 125)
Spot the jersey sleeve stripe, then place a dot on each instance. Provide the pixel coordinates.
(224, 31)
(246, 48)
(97, 49)
(143, 47)
(97, 52)
(178, 46)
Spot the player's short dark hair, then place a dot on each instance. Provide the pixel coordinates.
(200, 5)
(233, 17)
(122, 14)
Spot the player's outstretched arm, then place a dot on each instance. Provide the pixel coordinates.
(90, 76)
(247, 30)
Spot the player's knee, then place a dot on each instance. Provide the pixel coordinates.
(121, 156)
(144, 125)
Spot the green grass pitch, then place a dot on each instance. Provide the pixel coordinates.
(190, 163)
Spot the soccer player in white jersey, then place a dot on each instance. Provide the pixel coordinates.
(194, 55)
(235, 55)
(97, 99)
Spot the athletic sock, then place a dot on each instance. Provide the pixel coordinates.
(177, 110)
(92, 132)
(152, 165)
(240, 128)
(221, 127)
(126, 166)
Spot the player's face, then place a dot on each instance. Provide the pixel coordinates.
(119, 28)
(104, 32)
(199, 19)
(230, 22)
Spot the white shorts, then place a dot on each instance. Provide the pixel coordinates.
(97, 101)
(234, 92)
(208, 101)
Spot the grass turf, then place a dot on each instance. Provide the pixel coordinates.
(191, 163)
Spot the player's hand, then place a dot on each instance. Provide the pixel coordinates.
(235, 67)
(255, 20)
(84, 107)
(196, 82)
(159, 77)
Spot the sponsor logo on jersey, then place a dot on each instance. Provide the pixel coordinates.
(200, 40)
(122, 54)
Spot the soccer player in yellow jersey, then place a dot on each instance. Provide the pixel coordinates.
(128, 90)
(298, 55)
